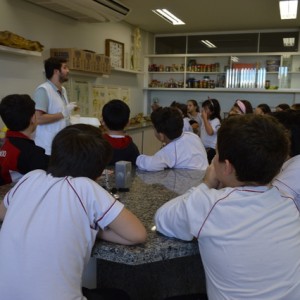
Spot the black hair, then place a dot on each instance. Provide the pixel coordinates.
(256, 145)
(290, 119)
(168, 120)
(79, 151)
(115, 114)
(214, 107)
(53, 63)
(283, 106)
(16, 111)
(181, 106)
(265, 108)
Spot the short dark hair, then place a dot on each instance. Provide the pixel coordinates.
(79, 151)
(16, 111)
(214, 106)
(290, 119)
(283, 106)
(53, 63)
(256, 145)
(265, 108)
(181, 106)
(168, 120)
(115, 114)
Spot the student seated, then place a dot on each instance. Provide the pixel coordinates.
(287, 181)
(282, 106)
(183, 150)
(248, 233)
(53, 219)
(19, 154)
(115, 117)
(241, 107)
(183, 110)
(262, 109)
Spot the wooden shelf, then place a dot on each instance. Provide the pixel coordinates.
(19, 51)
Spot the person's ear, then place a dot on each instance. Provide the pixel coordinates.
(228, 168)
(33, 119)
(161, 137)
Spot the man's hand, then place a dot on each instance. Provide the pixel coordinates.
(68, 109)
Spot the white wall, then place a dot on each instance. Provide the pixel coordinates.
(21, 74)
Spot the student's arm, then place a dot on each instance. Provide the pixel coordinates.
(126, 229)
(207, 125)
(171, 219)
(210, 178)
(2, 210)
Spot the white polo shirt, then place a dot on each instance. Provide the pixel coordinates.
(48, 233)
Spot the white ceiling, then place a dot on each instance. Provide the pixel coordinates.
(209, 15)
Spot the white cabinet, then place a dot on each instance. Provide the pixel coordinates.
(145, 139)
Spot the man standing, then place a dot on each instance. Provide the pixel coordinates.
(52, 106)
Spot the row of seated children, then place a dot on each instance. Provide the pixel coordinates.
(243, 174)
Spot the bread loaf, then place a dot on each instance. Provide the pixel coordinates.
(13, 40)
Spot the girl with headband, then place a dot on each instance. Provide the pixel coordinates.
(241, 107)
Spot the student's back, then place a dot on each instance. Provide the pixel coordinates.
(115, 116)
(248, 233)
(182, 150)
(19, 154)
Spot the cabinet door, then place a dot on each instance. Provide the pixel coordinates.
(137, 137)
(150, 143)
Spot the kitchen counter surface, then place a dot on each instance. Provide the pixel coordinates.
(149, 190)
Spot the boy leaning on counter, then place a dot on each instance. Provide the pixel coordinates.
(47, 235)
(182, 150)
(247, 230)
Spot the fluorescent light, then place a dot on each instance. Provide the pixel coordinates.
(288, 9)
(168, 16)
(289, 42)
(208, 44)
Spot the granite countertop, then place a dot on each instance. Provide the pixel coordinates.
(148, 191)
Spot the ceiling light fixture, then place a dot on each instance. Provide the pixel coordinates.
(208, 44)
(289, 42)
(288, 9)
(168, 16)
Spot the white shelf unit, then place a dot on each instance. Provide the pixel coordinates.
(167, 74)
(157, 83)
(19, 51)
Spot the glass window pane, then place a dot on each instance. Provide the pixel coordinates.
(273, 42)
(224, 43)
(170, 45)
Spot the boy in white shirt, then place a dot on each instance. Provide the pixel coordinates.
(54, 217)
(248, 233)
(183, 150)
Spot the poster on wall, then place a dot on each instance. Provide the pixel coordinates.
(99, 96)
(125, 95)
(80, 93)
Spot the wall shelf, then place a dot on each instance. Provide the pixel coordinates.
(126, 70)
(19, 51)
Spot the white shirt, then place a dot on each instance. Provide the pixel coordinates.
(249, 240)
(45, 133)
(210, 141)
(185, 152)
(48, 233)
(287, 181)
